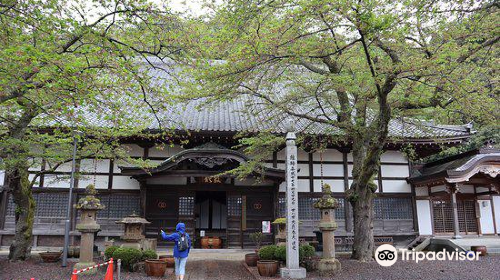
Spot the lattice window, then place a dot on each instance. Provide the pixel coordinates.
(393, 208)
(467, 216)
(340, 211)
(51, 204)
(234, 205)
(306, 209)
(48, 205)
(122, 205)
(186, 205)
(11, 208)
(442, 213)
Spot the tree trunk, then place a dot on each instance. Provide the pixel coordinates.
(19, 185)
(364, 243)
(366, 160)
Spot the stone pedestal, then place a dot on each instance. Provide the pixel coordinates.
(88, 206)
(327, 204)
(132, 234)
(294, 273)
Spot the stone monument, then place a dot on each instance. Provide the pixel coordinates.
(327, 225)
(88, 206)
(132, 234)
(292, 269)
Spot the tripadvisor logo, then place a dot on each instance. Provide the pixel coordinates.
(387, 255)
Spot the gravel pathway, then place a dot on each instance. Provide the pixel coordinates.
(206, 270)
(487, 268)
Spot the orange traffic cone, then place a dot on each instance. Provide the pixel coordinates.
(109, 272)
(74, 276)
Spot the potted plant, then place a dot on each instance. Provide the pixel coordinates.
(257, 238)
(168, 259)
(50, 257)
(267, 265)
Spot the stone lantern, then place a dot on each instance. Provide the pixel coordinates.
(132, 235)
(327, 225)
(88, 206)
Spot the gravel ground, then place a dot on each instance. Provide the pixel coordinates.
(486, 268)
(209, 270)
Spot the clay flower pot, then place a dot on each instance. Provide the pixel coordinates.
(267, 268)
(251, 259)
(155, 268)
(210, 242)
(50, 257)
(169, 260)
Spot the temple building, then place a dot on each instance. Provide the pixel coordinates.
(411, 200)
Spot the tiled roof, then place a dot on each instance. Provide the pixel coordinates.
(245, 114)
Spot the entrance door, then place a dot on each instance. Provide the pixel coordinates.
(211, 214)
(443, 216)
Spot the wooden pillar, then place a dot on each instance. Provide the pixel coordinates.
(143, 192)
(456, 226)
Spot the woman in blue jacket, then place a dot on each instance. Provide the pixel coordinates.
(181, 248)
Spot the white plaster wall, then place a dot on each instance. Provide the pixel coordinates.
(337, 185)
(394, 170)
(486, 219)
(65, 167)
(252, 182)
(303, 185)
(125, 183)
(329, 169)
(424, 217)
(164, 151)
(2, 176)
(374, 181)
(496, 206)
(328, 155)
(393, 156)
(56, 181)
(438, 188)
(37, 181)
(466, 189)
(303, 169)
(101, 181)
(301, 155)
(481, 189)
(421, 191)
(94, 165)
(396, 186)
(282, 187)
(35, 164)
(134, 150)
(168, 180)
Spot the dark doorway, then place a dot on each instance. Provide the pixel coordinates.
(211, 214)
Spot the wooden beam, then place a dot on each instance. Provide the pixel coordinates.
(311, 175)
(110, 176)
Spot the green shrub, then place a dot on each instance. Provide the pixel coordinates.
(149, 254)
(267, 252)
(306, 251)
(108, 253)
(280, 253)
(129, 257)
